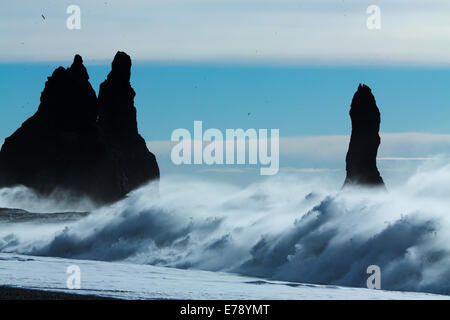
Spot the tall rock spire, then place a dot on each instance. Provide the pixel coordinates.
(118, 127)
(361, 157)
(78, 143)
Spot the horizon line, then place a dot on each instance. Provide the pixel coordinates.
(268, 63)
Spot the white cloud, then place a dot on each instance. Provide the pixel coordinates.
(399, 156)
(251, 31)
(226, 170)
(404, 159)
(306, 170)
(394, 146)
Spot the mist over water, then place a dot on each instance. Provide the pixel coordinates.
(59, 201)
(283, 228)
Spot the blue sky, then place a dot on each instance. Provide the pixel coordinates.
(293, 64)
(299, 101)
(309, 105)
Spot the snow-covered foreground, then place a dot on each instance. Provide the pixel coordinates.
(134, 281)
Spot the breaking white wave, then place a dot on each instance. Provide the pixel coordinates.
(58, 201)
(282, 229)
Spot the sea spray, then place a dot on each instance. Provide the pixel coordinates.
(282, 228)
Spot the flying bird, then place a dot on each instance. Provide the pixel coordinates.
(43, 17)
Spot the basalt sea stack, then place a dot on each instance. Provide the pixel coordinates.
(76, 143)
(135, 164)
(361, 157)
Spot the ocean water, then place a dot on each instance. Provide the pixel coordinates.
(281, 229)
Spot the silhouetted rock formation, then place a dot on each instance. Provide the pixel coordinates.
(118, 127)
(63, 147)
(362, 151)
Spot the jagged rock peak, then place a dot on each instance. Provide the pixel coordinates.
(77, 69)
(79, 143)
(118, 126)
(121, 67)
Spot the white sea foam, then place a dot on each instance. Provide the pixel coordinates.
(282, 229)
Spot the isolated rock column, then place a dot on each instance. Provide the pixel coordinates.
(117, 123)
(361, 157)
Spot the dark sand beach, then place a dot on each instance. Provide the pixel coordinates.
(10, 293)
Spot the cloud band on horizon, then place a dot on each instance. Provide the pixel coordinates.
(245, 31)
